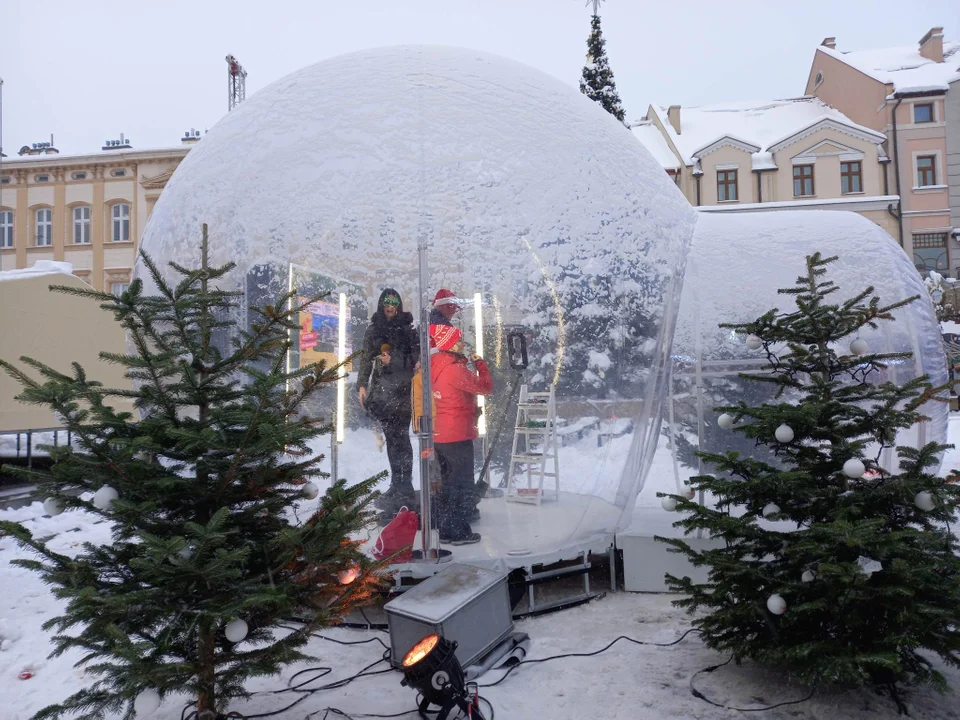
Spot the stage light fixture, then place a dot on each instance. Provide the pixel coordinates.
(431, 668)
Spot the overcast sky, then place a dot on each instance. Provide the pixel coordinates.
(87, 70)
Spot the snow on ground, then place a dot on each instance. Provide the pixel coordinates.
(628, 681)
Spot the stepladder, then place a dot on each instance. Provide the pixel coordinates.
(534, 462)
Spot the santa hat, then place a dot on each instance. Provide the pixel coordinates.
(445, 297)
(444, 337)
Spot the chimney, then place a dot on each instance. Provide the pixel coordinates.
(931, 45)
(673, 115)
(830, 42)
(190, 137)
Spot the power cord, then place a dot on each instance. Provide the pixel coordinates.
(696, 693)
(700, 696)
(589, 654)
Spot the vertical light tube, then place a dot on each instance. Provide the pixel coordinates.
(341, 358)
(289, 332)
(478, 332)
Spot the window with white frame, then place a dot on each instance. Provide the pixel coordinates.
(81, 224)
(121, 222)
(926, 170)
(119, 288)
(6, 229)
(44, 227)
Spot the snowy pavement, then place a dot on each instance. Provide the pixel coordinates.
(628, 681)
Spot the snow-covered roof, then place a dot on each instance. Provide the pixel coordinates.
(756, 126)
(904, 66)
(40, 267)
(651, 137)
(104, 156)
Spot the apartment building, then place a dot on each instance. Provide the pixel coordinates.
(797, 153)
(911, 94)
(88, 210)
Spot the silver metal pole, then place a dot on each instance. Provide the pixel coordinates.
(425, 431)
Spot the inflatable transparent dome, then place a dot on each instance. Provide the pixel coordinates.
(735, 267)
(421, 168)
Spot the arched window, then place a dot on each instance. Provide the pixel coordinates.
(6, 228)
(44, 227)
(81, 224)
(121, 222)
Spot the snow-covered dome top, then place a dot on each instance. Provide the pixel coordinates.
(526, 195)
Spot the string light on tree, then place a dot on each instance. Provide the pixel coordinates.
(349, 575)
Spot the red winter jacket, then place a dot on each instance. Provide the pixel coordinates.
(455, 389)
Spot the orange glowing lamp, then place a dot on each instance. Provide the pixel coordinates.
(419, 651)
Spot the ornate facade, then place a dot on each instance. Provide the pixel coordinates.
(88, 210)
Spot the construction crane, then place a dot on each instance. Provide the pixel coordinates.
(236, 83)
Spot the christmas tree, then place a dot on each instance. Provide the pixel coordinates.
(597, 80)
(204, 562)
(860, 580)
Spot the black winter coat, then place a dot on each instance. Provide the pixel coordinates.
(388, 387)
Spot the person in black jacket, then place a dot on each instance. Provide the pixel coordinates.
(388, 360)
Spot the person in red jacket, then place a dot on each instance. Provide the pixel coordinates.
(455, 389)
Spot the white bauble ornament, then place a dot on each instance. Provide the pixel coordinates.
(725, 421)
(146, 703)
(688, 492)
(924, 500)
(770, 509)
(808, 576)
(349, 575)
(104, 497)
(753, 342)
(52, 507)
(236, 630)
(310, 491)
(776, 604)
(859, 347)
(784, 434)
(854, 468)
(669, 504)
(186, 553)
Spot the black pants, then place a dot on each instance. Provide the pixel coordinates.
(396, 431)
(458, 496)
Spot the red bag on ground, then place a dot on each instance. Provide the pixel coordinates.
(397, 535)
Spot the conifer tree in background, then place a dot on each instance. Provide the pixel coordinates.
(597, 80)
(861, 579)
(204, 562)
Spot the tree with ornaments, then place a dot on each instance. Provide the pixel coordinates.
(597, 81)
(833, 566)
(207, 552)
